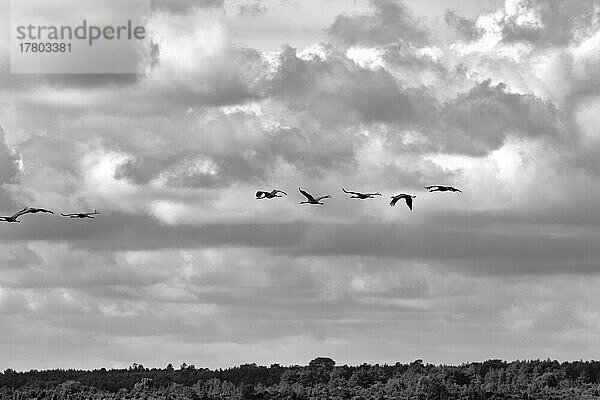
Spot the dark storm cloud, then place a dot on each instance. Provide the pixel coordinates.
(579, 216)
(185, 6)
(470, 241)
(231, 169)
(239, 150)
(390, 21)
(82, 274)
(561, 22)
(118, 231)
(489, 250)
(233, 76)
(142, 170)
(290, 294)
(337, 91)
(465, 27)
(482, 118)
(329, 95)
(136, 325)
(66, 81)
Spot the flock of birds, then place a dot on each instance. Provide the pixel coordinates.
(260, 195)
(32, 210)
(310, 199)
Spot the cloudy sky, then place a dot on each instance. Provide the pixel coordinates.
(501, 99)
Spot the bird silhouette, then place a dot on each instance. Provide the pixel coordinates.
(361, 196)
(82, 215)
(406, 197)
(34, 210)
(311, 199)
(26, 210)
(261, 194)
(440, 188)
(13, 218)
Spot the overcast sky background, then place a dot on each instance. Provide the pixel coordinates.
(499, 99)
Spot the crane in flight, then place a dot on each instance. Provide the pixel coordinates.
(261, 194)
(26, 210)
(403, 196)
(310, 199)
(82, 215)
(361, 196)
(440, 188)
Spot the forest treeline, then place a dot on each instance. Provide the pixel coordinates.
(320, 379)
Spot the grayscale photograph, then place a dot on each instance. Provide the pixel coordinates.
(299, 199)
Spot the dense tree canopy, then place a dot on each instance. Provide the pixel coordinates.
(321, 379)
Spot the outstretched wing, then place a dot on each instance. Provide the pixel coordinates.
(323, 197)
(307, 195)
(434, 187)
(409, 201)
(279, 191)
(45, 210)
(81, 215)
(351, 192)
(19, 213)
